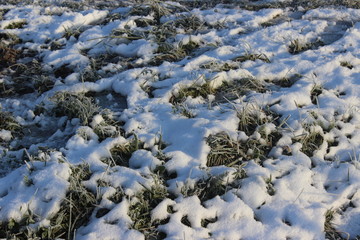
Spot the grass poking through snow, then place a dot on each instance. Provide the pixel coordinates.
(75, 106)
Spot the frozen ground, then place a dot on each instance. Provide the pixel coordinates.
(180, 120)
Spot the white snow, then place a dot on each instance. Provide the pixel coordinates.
(283, 196)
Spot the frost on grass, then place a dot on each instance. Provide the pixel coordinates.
(75, 106)
(257, 136)
(121, 153)
(257, 105)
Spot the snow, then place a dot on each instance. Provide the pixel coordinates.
(283, 196)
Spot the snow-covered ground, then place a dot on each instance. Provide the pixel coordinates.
(162, 120)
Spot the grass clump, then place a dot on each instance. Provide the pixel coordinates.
(190, 23)
(194, 90)
(297, 46)
(315, 92)
(74, 212)
(251, 116)
(8, 56)
(261, 135)
(128, 34)
(206, 188)
(16, 25)
(253, 57)
(76, 208)
(224, 150)
(270, 186)
(9, 123)
(330, 232)
(90, 74)
(184, 110)
(18, 229)
(239, 87)
(154, 8)
(171, 53)
(347, 64)
(75, 106)
(220, 67)
(73, 31)
(227, 151)
(286, 81)
(142, 205)
(121, 153)
(29, 77)
(9, 39)
(107, 127)
(311, 139)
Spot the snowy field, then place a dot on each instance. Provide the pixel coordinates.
(180, 120)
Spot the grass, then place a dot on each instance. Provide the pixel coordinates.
(252, 116)
(9, 39)
(298, 46)
(154, 8)
(128, 34)
(75, 211)
(76, 208)
(206, 188)
(189, 22)
(171, 53)
(17, 229)
(184, 110)
(315, 92)
(194, 90)
(239, 87)
(347, 64)
(75, 106)
(220, 66)
(230, 152)
(9, 123)
(16, 25)
(287, 81)
(227, 91)
(80, 203)
(142, 205)
(73, 31)
(89, 74)
(27, 78)
(224, 150)
(8, 56)
(270, 186)
(108, 128)
(121, 153)
(253, 121)
(311, 140)
(252, 57)
(330, 232)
